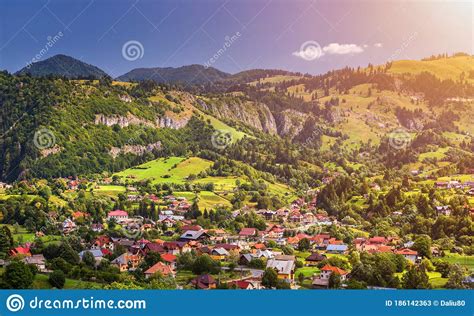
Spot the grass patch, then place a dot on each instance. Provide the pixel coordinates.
(308, 272)
(41, 282)
(466, 261)
(166, 170)
(207, 199)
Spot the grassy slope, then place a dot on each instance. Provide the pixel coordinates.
(450, 68)
(221, 126)
(275, 79)
(178, 169)
(23, 236)
(466, 261)
(207, 199)
(163, 170)
(363, 124)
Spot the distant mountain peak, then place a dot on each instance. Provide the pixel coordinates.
(63, 65)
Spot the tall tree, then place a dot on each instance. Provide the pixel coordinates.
(269, 278)
(456, 277)
(18, 275)
(6, 241)
(416, 278)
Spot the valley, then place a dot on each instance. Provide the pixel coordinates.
(196, 178)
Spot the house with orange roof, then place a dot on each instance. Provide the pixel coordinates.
(322, 280)
(160, 268)
(293, 241)
(79, 214)
(127, 261)
(328, 269)
(259, 246)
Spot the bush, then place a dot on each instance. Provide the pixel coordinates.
(57, 279)
(257, 264)
(18, 275)
(205, 264)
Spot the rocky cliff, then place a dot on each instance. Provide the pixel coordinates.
(253, 114)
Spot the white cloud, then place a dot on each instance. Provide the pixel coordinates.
(311, 50)
(378, 45)
(342, 49)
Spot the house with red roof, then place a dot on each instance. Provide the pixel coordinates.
(118, 215)
(377, 240)
(247, 233)
(170, 260)
(193, 228)
(103, 242)
(409, 254)
(154, 247)
(176, 247)
(24, 251)
(242, 285)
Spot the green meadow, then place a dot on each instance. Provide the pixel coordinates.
(166, 170)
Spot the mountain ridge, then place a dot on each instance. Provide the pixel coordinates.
(65, 66)
(188, 74)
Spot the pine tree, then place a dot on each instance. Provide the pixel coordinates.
(6, 241)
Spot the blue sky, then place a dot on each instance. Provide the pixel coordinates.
(300, 35)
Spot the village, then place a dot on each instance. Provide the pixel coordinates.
(302, 246)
